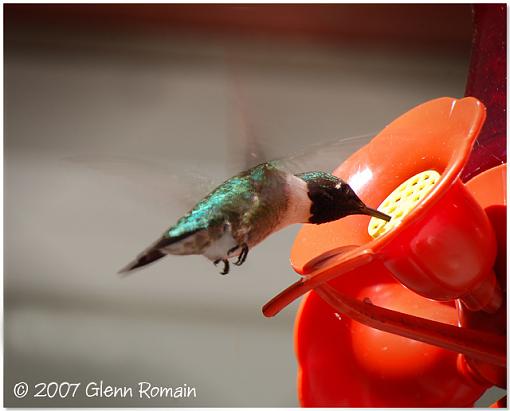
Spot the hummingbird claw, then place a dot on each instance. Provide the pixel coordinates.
(232, 250)
(242, 257)
(226, 266)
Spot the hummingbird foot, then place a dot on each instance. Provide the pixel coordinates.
(242, 257)
(233, 249)
(226, 266)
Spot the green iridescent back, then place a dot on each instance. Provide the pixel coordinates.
(232, 198)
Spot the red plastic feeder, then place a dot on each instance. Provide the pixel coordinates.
(444, 249)
(346, 360)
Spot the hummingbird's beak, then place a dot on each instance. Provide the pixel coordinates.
(375, 213)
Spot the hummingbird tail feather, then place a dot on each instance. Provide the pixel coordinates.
(156, 251)
(147, 257)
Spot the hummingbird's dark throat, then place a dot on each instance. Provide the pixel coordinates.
(332, 199)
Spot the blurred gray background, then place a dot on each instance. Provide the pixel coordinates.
(116, 116)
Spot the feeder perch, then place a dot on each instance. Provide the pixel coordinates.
(438, 252)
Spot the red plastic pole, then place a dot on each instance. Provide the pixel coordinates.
(475, 344)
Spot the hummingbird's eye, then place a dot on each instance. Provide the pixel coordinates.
(344, 188)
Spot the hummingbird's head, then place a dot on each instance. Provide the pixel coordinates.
(332, 199)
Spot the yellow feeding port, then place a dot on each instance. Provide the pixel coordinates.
(402, 200)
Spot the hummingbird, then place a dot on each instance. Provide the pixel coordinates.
(247, 208)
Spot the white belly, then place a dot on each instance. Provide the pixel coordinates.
(218, 250)
(298, 211)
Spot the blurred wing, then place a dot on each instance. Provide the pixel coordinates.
(324, 156)
(162, 186)
(245, 144)
(251, 141)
